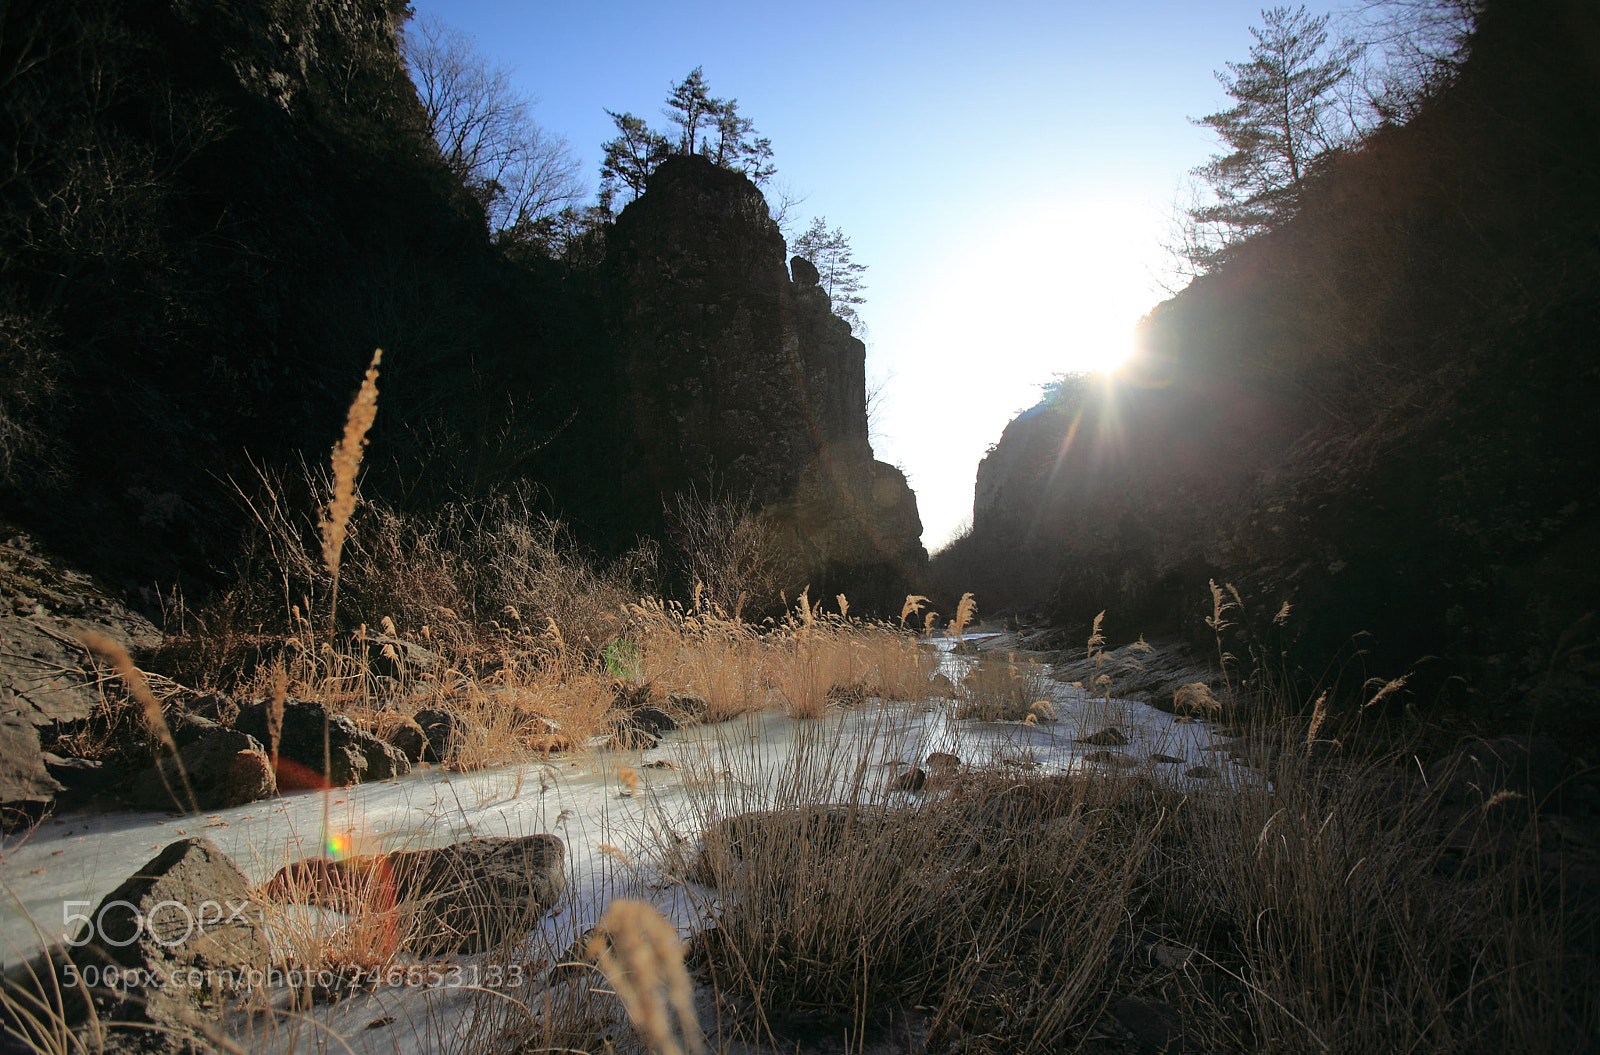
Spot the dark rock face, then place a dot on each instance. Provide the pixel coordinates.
(47, 681)
(744, 382)
(23, 776)
(469, 896)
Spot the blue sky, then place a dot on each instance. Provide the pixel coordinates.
(1005, 170)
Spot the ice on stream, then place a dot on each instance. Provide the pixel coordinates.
(612, 834)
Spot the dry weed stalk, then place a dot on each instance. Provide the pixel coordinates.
(640, 954)
(346, 463)
(138, 687)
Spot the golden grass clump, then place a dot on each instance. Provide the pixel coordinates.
(1004, 690)
(704, 653)
(1308, 912)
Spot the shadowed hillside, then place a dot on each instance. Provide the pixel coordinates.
(1383, 412)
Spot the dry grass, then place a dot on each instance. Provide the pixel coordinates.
(1009, 690)
(1304, 914)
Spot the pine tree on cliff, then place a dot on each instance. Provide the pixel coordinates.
(1284, 120)
(730, 141)
(839, 275)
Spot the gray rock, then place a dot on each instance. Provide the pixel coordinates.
(189, 910)
(467, 897)
(385, 761)
(1202, 772)
(1166, 760)
(1110, 736)
(227, 768)
(23, 776)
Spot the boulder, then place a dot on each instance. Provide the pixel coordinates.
(352, 753)
(652, 720)
(226, 768)
(187, 920)
(385, 761)
(408, 737)
(447, 731)
(466, 898)
(1110, 736)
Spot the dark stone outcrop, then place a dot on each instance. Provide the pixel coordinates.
(48, 682)
(446, 731)
(745, 383)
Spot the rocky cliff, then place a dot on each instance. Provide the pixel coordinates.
(744, 383)
(164, 334)
(1383, 413)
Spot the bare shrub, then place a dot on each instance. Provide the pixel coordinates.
(734, 553)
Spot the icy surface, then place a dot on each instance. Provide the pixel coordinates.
(613, 831)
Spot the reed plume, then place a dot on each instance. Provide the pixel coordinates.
(913, 605)
(640, 954)
(346, 462)
(964, 613)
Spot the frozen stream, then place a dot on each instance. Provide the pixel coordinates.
(69, 863)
